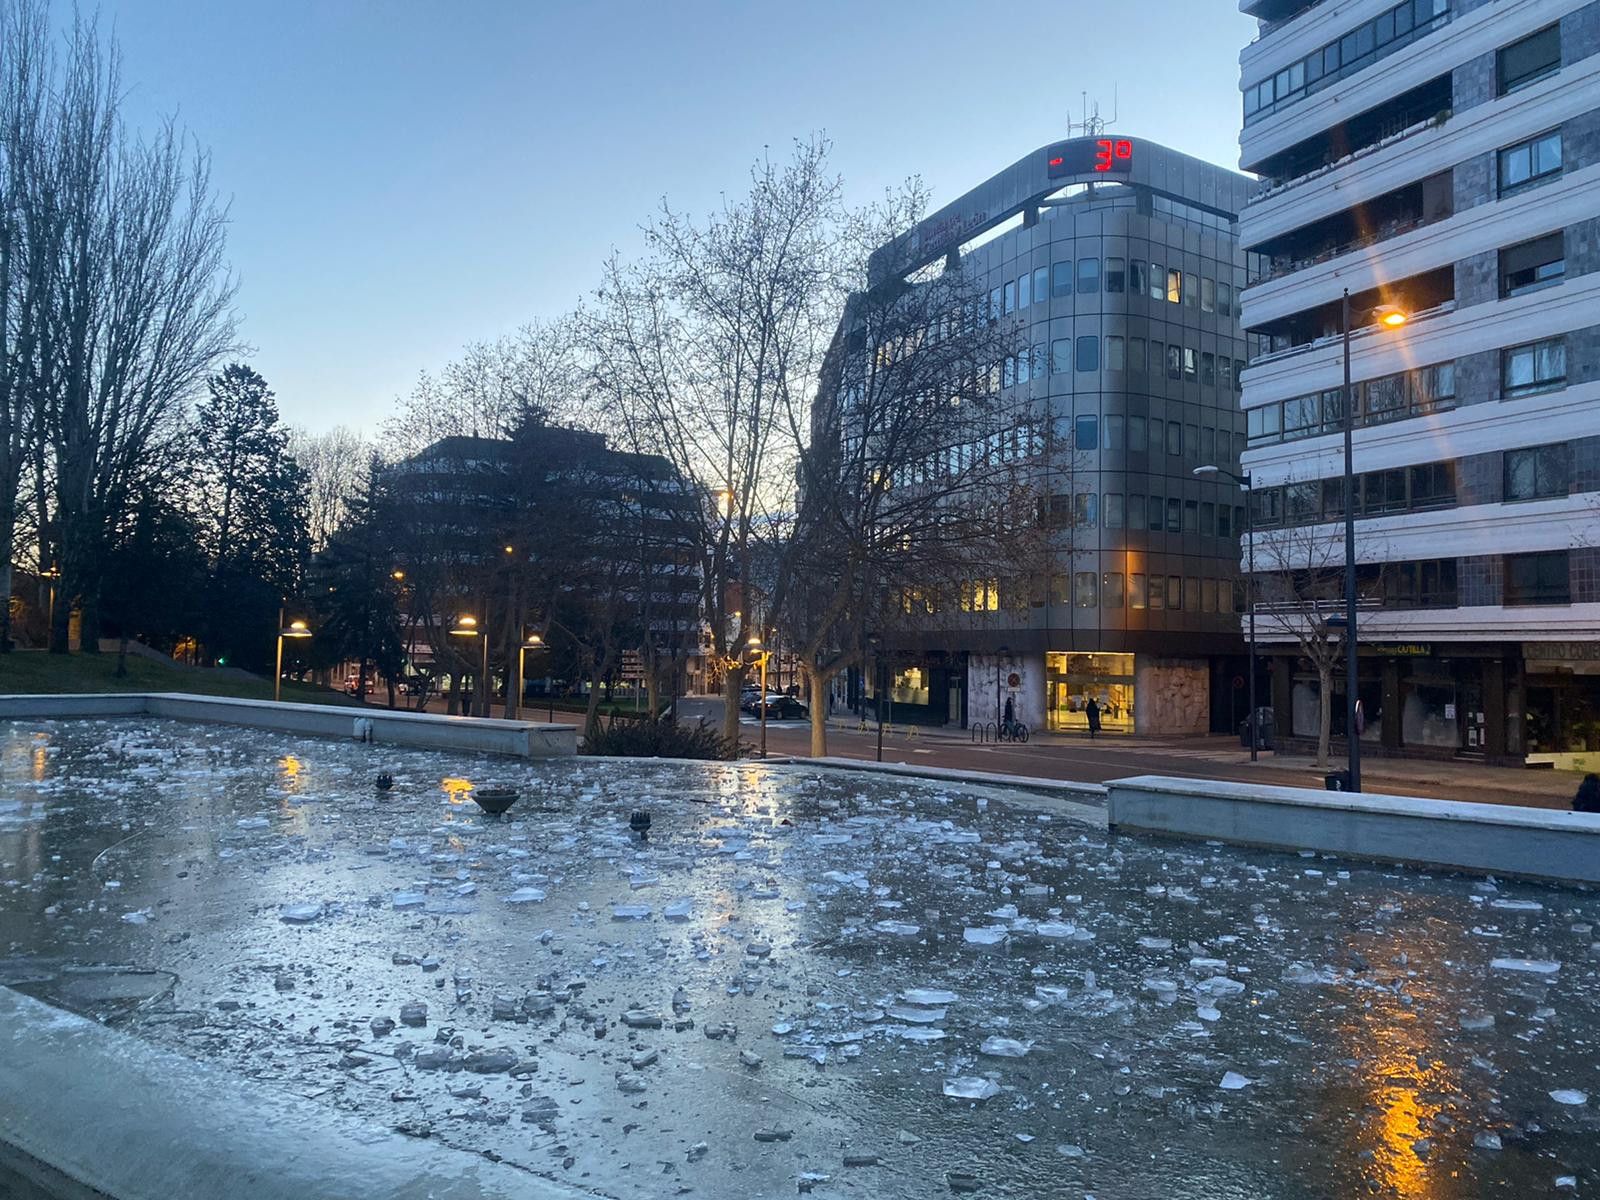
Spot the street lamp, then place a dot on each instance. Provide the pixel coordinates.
(532, 642)
(1250, 587)
(754, 645)
(1388, 316)
(53, 573)
(466, 626)
(294, 629)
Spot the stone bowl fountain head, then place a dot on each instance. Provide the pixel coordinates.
(384, 781)
(494, 801)
(639, 822)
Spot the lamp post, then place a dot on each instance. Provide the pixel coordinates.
(532, 642)
(295, 629)
(762, 656)
(466, 626)
(1389, 317)
(1250, 588)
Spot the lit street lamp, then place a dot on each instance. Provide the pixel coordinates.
(1389, 317)
(1250, 587)
(533, 642)
(466, 626)
(295, 629)
(754, 645)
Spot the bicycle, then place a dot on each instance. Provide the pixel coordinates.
(1012, 731)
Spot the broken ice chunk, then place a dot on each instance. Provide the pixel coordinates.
(1569, 1096)
(299, 914)
(898, 928)
(1232, 1081)
(928, 997)
(999, 1047)
(1477, 1021)
(1155, 943)
(630, 912)
(986, 935)
(970, 1087)
(916, 1015)
(678, 910)
(922, 1033)
(526, 895)
(404, 900)
(1531, 966)
(1487, 1141)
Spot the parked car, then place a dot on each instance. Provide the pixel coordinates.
(785, 708)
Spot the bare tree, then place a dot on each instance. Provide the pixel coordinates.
(915, 478)
(699, 352)
(336, 466)
(1300, 598)
(139, 312)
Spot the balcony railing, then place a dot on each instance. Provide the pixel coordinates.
(1390, 229)
(1271, 187)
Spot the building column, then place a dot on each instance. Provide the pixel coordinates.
(1494, 707)
(1391, 704)
(1283, 694)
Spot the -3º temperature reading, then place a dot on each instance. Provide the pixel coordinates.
(1085, 156)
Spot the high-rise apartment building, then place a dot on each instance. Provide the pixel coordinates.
(1441, 157)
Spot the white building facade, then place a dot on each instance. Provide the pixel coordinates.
(1441, 157)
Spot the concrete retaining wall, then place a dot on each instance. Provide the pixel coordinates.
(94, 1113)
(524, 739)
(1503, 839)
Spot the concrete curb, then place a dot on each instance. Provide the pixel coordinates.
(1083, 793)
(432, 731)
(92, 1112)
(1502, 839)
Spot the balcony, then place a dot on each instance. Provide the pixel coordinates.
(1357, 228)
(1419, 295)
(1424, 106)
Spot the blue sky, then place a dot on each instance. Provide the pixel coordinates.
(406, 177)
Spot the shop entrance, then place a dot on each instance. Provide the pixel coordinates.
(1070, 681)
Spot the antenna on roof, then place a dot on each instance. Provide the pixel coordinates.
(1093, 124)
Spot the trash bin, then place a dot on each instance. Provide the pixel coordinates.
(1336, 781)
(1264, 730)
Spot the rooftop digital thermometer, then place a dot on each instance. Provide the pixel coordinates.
(1091, 155)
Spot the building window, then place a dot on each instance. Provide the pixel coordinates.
(1008, 373)
(1025, 290)
(1086, 510)
(1238, 375)
(1158, 593)
(1136, 353)
(1011, 297)
(1529, 161)
(1174, 362)
(1111, 589)
(1022, 366)
(1174, 437)
(1536, 367)
(1138, 281)
(1539, 471)
(1158, 282)
(1191, 290)
(1115, 436)
(1208, 595)
(1191, 516)
(1224, 300)
(1537, 578)
(1208, 295)
(1208, 370)
(1174, 593)
(1224, 521)
(1060, 356)
(1114, 512)
(1088, 276)
(1061, 279)
(1086, 432)
(1529, 60)
(1532, 265)
(1084, 591)
(1174, 287)
(1174, 515)
(1225, 373)
(1208, 519)
(1038, 361)
(1041, 285)
(1137, 590)
(1156, 513)
(1116, 354)
(994, 304)
(1190, 371)
(1136, 517)
(1089, 353)
(1430, 584)
(1138, 442)
(1116, 274)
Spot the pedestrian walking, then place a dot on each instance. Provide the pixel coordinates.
(1092, 711)
(1010, 713)
(1588, 797)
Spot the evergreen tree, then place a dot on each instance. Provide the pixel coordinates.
(358, 600)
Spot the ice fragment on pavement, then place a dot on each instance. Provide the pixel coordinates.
(916, 1015)
(985, 935)
(1476, 1021)
(1232, 1081)
(403, 900)
(1517, 905)
(526, 895)
(749, 1058)
(1531, 966)
(970, 1087)
(629, 912)
(137, 917)
(636, 1018)
(1569, 1096)
(1206, 1013)
(253, 823)
(678, 910)
(299, 914)
(1067, 1150)
(922, 1033)
(898, 928)
(1567, 1183)
(1155, 943)
(928, 996)
(999, 1047)
(1487, 1141)
(414, 1014)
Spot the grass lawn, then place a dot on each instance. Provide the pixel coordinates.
(25, 671)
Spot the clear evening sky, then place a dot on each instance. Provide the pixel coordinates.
(406, 177)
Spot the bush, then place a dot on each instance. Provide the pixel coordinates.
(657, 739)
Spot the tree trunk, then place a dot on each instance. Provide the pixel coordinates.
(122, 657)
(732, 684)
(452, 704)
(1325, 715)
(653, 690)
(392, 699)
(5, 593)
(591, 719)
(820, 684)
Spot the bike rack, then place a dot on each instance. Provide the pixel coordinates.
(987, 731)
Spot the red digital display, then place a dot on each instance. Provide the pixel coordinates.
(1086, 156)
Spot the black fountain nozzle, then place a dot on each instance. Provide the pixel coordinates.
(384, 781)
(639, 822)
(494, 801)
